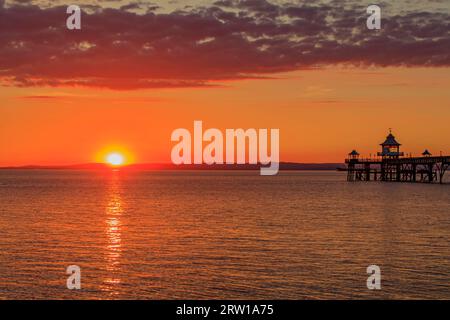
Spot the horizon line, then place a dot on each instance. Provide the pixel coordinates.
(166, 165)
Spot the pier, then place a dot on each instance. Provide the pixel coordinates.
(392, 165)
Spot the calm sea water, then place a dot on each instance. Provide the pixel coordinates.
(234, 235)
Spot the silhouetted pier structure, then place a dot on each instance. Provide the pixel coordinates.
(392, 165)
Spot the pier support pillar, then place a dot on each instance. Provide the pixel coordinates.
(367, 168)
(398, 173)
(430, 173)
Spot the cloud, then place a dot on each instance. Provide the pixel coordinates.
(40, 97)
(202, 46)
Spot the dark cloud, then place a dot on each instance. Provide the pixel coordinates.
(229, 40)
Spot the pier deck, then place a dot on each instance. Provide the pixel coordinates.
(403, 169)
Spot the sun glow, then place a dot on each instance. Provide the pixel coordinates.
(115, 159)
(114, 155)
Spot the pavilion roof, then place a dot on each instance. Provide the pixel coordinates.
(390, 141)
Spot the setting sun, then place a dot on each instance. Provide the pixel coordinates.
(114, 155)
(115, 159)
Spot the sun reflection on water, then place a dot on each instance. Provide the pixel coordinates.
(113, 229)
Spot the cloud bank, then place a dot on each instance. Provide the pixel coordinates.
(135, 46)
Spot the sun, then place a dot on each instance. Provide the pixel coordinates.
(115, 159)
(114, 155)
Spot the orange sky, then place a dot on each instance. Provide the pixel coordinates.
(322, 114)
(132, 72)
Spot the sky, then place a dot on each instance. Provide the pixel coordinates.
(138, 70)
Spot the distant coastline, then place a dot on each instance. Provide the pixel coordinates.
(169, 166)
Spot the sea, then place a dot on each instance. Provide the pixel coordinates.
(220, 235)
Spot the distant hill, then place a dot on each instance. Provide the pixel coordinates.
(170, 166)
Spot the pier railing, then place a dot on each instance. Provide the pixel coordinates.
(364, 160)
